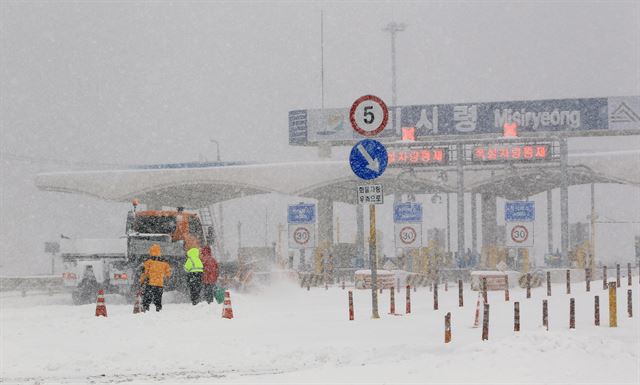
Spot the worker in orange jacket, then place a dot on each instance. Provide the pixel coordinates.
(156, 270)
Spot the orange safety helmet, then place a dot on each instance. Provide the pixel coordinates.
(155, 250)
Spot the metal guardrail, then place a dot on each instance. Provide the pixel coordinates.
(49, 283)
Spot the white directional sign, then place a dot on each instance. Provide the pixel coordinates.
(408, 235)
(302, 236)
(371, 193)
(519, 234)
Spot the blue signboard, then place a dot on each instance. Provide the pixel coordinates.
(407, 212)
(302, 213)
(368, 159)
(429, 121)
(519, 211)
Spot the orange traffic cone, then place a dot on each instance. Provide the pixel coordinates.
(101, 308)
(227, 311)
(137, 307)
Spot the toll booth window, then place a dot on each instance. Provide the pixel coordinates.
(195, 228)
(155, 225)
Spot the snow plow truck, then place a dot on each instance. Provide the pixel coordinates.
(116, 265)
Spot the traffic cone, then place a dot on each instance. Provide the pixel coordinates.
(476, 321)
(227, 311)
(101, 308)
(137, 307)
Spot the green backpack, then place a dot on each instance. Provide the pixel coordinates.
(218, 294)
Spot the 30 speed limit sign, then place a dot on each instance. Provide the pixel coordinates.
(519, 234)
(369, 115)
(301, 236)
(408, 235)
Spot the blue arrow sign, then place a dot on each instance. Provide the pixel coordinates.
(368, 159)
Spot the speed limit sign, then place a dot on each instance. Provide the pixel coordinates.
(520, 234)
(408, 235)
(369, 115)
(301, 236)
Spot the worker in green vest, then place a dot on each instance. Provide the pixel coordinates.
(194, 268)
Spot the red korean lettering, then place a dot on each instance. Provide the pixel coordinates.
(528, 152)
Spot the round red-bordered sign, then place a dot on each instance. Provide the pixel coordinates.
(301, 236)
(354, 123)
(408, 235)
(519, 234)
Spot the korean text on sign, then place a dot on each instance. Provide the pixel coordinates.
(420, 157)
(513, 152)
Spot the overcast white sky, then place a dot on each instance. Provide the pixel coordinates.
(133, 82)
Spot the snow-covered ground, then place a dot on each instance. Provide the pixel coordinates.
(285, 334)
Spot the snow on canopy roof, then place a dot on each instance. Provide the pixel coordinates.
(206, 184)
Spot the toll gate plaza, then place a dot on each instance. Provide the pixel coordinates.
(474, 153)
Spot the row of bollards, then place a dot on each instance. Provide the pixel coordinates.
(482, 296)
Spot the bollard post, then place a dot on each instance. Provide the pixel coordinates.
(342, 283)
(326, 285)
(629, 274)
(408, 300)
(604, 278)
(485, 323)
(476, 319)
(506, 288)
(596, 310)
(484, 290)
(587, 278)
(308, 285)
(350, 305)
(516, 316)
(528, 285)
(548, 284)
(447, 328)
(629, 304)
(545, 314)
(568, 281)
(435, 296)
(572, 313)
(460, 296)
(617, 275)
(414, 288)
(613, 309)
(392, 301)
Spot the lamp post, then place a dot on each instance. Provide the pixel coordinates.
(393, 28)
(220, 209)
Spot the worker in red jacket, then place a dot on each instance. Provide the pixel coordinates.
(210, 275)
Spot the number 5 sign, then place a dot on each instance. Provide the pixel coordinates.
(519, 234)
(369, 115)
